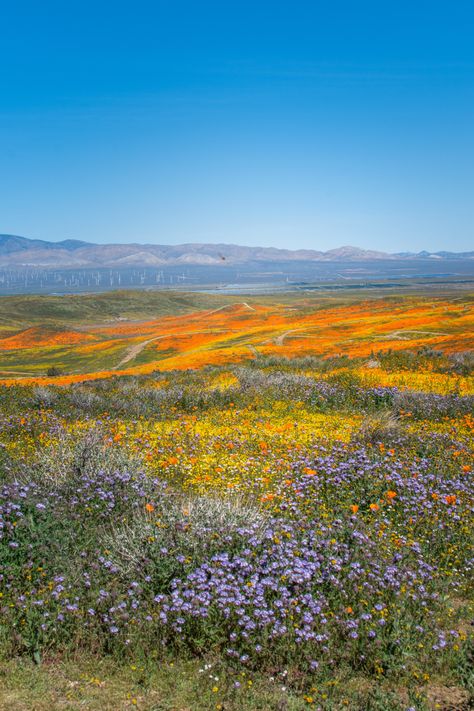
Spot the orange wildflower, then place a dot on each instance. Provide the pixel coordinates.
(374, 507)
(451, 499)
(391, 495)
(354, 508)
(149, 507)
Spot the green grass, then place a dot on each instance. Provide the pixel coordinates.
(26, 310)
(38, 360)
(99, 684)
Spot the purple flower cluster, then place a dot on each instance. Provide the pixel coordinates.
(357, 550)
(298, 585)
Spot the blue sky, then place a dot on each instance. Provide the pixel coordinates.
(292, 124)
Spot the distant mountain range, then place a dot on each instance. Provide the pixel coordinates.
(19, 252)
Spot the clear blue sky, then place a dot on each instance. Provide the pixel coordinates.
(293, 124)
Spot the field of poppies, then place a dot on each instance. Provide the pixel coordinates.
(280, 531)
(78, 337)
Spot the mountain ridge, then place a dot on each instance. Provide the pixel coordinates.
(17, 251)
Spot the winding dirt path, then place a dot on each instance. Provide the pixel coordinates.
(399, 335)
(280, 340)
(252, 349)
(134, 350)
(228, 306)
(137, 348)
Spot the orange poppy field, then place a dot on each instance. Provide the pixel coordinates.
(285, 325)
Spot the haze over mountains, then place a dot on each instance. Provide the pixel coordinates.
(17, 252)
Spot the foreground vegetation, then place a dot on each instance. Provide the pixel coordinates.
(281, 534)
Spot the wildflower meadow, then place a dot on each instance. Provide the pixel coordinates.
(283, 531)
